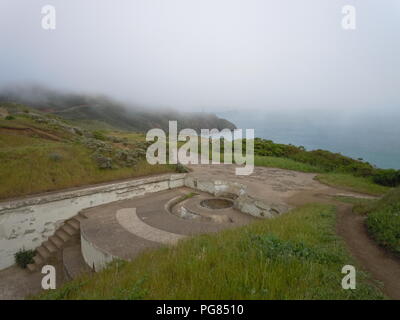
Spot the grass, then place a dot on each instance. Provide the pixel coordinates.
(27, 164)
(187, 196)
(352, 183)
(383, 218)
(31, 169)
(284, 163)
(130, 136)
(383, 221)
(342, 180)
(359, 204)
(295, 256)
(30, 164)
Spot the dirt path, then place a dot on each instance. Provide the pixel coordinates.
(374, 259)
(296, 189)
(31, 132)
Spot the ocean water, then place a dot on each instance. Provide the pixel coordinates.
(372, 135)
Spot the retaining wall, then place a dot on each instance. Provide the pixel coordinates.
(26, 223)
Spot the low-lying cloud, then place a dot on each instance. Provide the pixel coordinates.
(208, 55)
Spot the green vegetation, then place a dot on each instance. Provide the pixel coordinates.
(24, 257)
(333, 169)
(325, 160)
(295, 256)
(187, 196)
(352, 183)
(284, 163)
(30, 170)
(342, 180)
(102, 113)
(40, 152)
(390, 178)
(355, 201)
(180, 168)
(383, 220)
(33, 138)
(99, 135)
(359, 204)
(329, 162)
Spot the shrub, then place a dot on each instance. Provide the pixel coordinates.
(327, 161)
(383, 220)
(55, 157)
(24, 257)
(180, 168)
(272, 247)
(384, 225)
(102, 161)
(388, 177)
(99, 135)
(10, 118)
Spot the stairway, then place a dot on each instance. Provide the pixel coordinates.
(65, 235)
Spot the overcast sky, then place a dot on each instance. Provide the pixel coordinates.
(212, 54)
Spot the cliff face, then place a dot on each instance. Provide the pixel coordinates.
(111, 112)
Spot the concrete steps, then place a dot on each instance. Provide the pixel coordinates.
(67, 233)
(52, 248)
(73, 262)
(56, 241)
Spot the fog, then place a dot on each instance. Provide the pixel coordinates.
(209, 55)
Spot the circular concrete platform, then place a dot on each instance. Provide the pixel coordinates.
(123, 229)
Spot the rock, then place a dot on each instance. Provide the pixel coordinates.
(221, 218)
(3, 112)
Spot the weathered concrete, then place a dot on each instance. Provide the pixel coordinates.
(192, 209)
(129, 220)
(95, 257)
(26, 223)
(244, 200)
(123, 229)
(73, 263)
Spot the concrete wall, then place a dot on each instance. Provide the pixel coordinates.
(95, 258)
(244, 200)
(28, 222)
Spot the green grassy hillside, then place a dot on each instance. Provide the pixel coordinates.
(40, 152)
(106, 113)
(383, 220)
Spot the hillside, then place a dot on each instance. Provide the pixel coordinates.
(42, 152)
(383, 220)
(335, 169)
(105, 113)
(42, 117)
